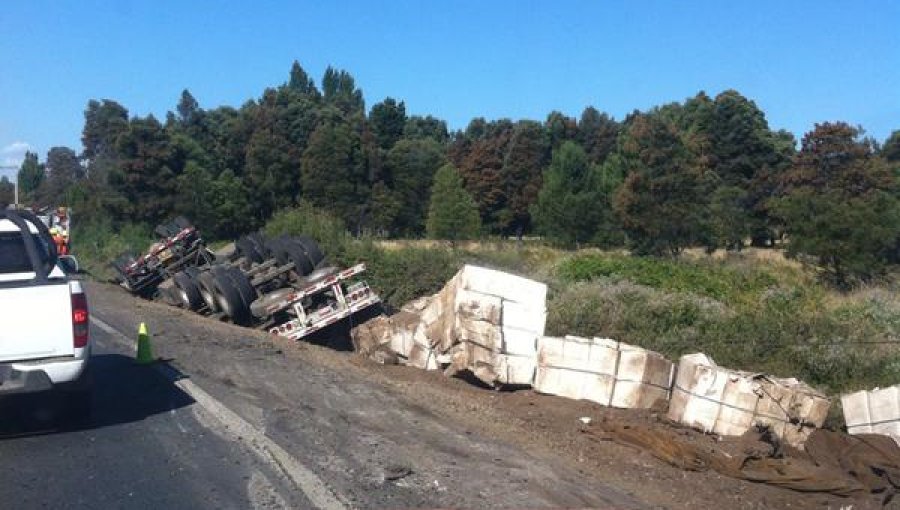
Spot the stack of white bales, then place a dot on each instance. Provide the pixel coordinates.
(483, 320)
(730, 402)
(604, 371)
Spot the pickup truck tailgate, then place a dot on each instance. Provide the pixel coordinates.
(35, 321)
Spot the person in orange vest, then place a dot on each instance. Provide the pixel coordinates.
(60, 241)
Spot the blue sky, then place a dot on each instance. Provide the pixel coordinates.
(802, 62)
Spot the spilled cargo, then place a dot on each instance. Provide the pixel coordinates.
(730, 402)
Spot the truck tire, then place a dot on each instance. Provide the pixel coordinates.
(228, 297)
(296, 254)
(182, 223)
(242, 284)
(276, 247)
(207, 286)
(121, 262)
(187, 291)
(166, 230)
(312, 250)
(247, 249)
(259, 242)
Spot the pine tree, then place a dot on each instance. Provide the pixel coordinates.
(452, 213)
(335, 174)
(387, 120)
(409, 169)
(7, 192)
(528, 154)
(569, 207)
(662, 203)
(31, 175)
(838, 204)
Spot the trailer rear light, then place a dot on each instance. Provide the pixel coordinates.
(80, 320)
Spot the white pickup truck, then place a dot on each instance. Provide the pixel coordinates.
(44, 333)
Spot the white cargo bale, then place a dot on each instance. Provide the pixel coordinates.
(401, 341)
(873, 412)
(422, 357)
(520, 342)
(477, 306)
(515, 370)
(507, 286)
(483, 320)
(603, 371)
(643, 377)
(729, 402)
(526, 317)
(697, 392)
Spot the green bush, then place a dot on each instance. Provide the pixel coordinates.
(790, 328)
(714, 280)
(328, 230)
(96, 245)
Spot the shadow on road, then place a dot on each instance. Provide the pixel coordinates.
(124, 392)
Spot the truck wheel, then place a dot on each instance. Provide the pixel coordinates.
(276, 249)
(187, 291)
(208, 290)
(182, 223)
(228, 297)
(295, 252)
(312, 249)
(247, 249)
(259, 242)
(166, 230)
(242, 284)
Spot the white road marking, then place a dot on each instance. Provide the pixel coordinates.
(311, 485)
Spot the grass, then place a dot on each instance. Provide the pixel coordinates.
(746, 314)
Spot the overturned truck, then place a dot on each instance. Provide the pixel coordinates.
(282, 284)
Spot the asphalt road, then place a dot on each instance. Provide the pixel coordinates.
(147, 445)
(232, 420)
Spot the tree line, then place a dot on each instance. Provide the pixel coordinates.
(708, 171)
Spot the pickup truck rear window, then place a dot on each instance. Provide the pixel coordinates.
(14, 258)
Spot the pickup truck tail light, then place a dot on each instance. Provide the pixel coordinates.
(79, 320)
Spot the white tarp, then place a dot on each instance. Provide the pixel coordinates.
(602, 370)
(729, 402)
(873, 412)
